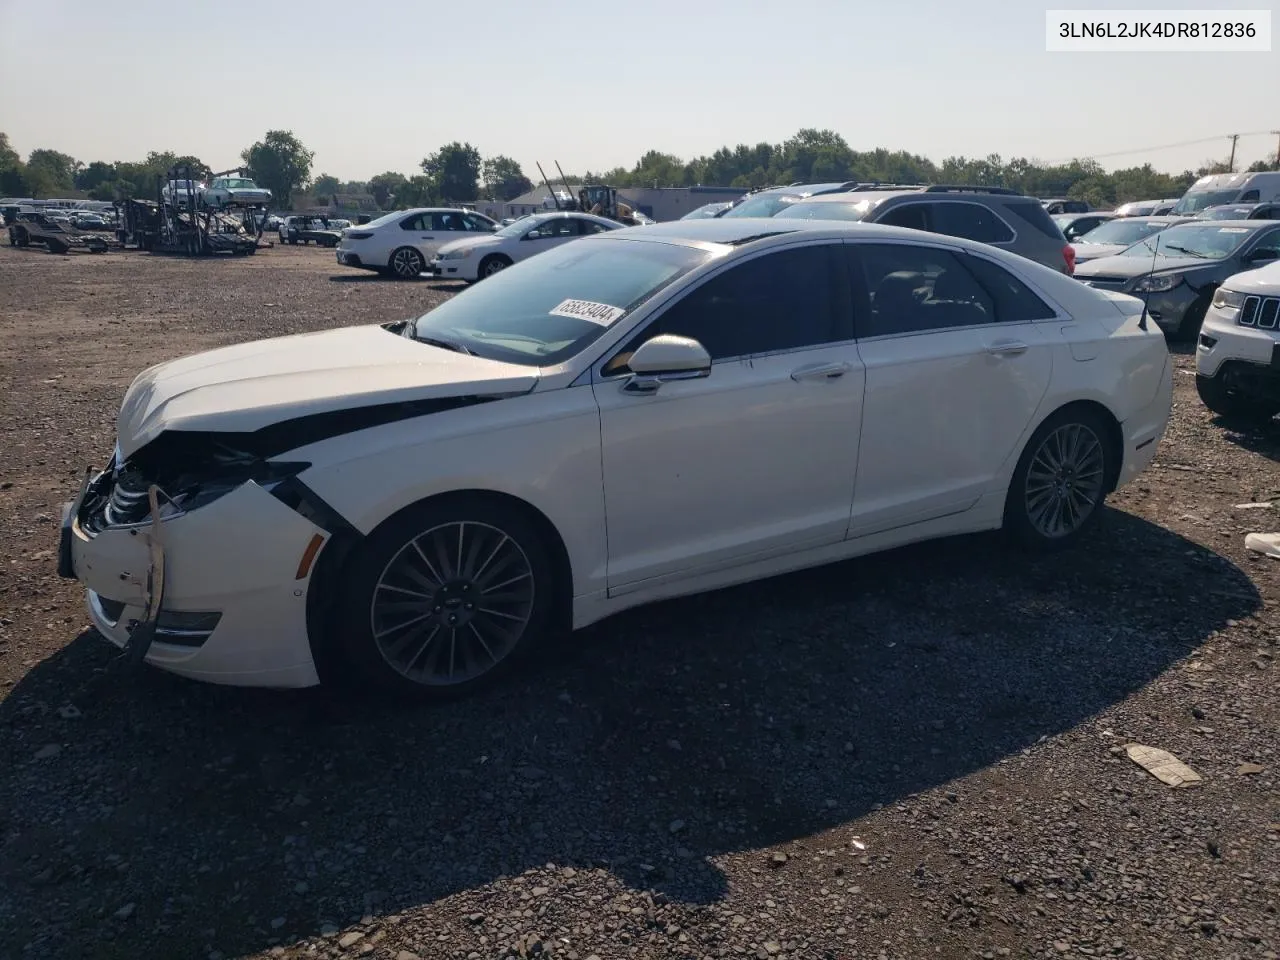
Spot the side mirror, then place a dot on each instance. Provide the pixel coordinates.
(664, 358)
(1258, 256)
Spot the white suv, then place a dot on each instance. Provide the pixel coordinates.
(403, 243)
(1238, 353)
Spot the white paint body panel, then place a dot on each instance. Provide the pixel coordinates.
(375, 251)
(1235, 342)
(744, 474)
(449, 266)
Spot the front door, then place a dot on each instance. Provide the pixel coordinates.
(758, 458)
(957, 360)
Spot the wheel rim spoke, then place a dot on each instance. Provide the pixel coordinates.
(1064, 481)
(452, 603)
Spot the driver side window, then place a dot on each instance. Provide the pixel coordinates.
(778, 302)
(1269, 241)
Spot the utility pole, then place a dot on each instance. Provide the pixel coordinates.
(1276, 133)
(1231, 164)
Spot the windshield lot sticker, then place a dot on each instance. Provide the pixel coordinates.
(1233, 229)
(601, 313)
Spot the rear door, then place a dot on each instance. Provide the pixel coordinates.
(958, 359)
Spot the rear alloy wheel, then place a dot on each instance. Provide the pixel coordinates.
(491, 265)
(1232, 405)
(1060, 482)
(447, 597)
(406, 263)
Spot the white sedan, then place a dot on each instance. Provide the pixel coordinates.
(401, 244)
(478, 257)
(642, 414)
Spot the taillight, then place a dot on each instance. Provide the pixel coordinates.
(362, 235)
(1069, 255)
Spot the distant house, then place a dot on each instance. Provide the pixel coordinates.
(337, 204)
(659, 203)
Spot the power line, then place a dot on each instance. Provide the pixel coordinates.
(1166, 146)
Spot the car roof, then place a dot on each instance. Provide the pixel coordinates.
(719, 231)
(1253, 226)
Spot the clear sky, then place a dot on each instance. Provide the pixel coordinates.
(372, 86)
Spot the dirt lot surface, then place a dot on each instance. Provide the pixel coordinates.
(912, 755)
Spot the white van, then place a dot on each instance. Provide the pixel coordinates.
(1220, 188)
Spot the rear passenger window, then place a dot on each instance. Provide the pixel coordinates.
(971, 221)
(911, 289)
(1015, 301)
(909, 215)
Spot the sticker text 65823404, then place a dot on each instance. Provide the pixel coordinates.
(601, 313)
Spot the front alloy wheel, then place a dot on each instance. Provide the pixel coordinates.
(445, 597)
(407, 263)
(1060, 482)
(452, 603)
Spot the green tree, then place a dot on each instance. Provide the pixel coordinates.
(95, 174)
(386, 187)
(54, 170)
(13, 181)
(455, 171)
(1262, 166)
(325, 186)
(281, 163)
(503, 178)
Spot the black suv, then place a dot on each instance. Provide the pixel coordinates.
(995, 215)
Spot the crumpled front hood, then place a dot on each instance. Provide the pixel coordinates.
(254, 385)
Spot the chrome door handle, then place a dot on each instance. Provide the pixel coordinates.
(1007, 348)
(820, 371)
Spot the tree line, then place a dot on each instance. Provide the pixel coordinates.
(457, 173)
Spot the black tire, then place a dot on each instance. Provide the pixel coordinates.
(406, 263)
(408, 537)
(494, 263)
(294, 241)
(24, 239)
(1233, 406)
(1192, 320)
(1030, 503)
(56, 247)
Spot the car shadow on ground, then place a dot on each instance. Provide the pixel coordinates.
(1263, 440)
(654, 743)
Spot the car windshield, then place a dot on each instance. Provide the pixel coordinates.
(546, 309)
(1122, 231)
(1202, 241)
(763, 205)
(1195, 200)
(820, 210)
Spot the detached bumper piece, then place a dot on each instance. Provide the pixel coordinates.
(143, 634)
(177, 627)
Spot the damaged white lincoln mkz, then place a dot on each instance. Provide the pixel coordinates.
(631, 416)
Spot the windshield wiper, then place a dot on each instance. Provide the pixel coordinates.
(1192, 253)
(443, 344)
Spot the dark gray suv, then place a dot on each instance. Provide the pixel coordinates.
(1003, 218)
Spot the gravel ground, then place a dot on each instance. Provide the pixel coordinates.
(905, 756)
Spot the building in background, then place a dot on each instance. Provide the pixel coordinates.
(657, 203)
